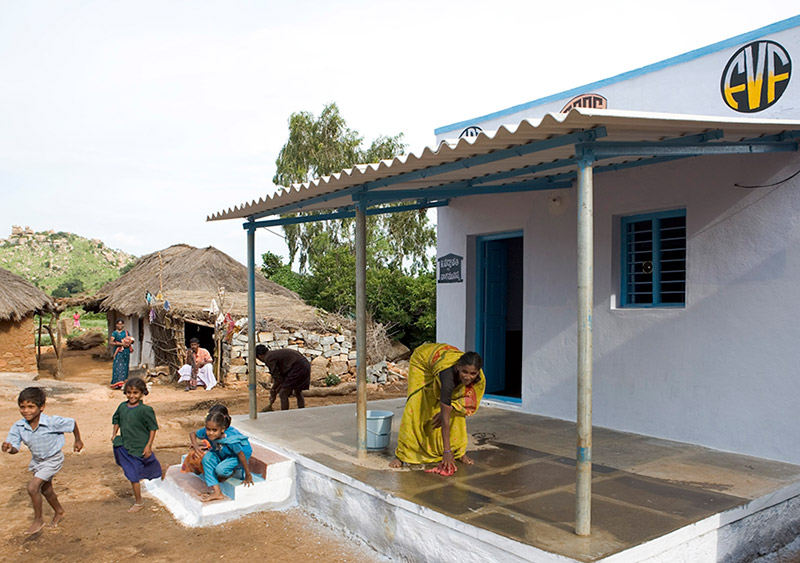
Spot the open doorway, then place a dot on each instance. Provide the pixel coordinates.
(499, 313)
(205, 334)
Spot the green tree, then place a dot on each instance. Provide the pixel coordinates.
(270, 264)
(326, 145)
(405, 304)
(401, 290)
(274, 269)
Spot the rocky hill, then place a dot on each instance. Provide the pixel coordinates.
(61, 263)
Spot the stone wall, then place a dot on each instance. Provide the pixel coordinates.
(329, 353)
(17, 348)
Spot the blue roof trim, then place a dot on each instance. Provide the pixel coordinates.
(588, 88)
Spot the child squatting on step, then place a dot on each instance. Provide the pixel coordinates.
(230, 449)
(133, 448)
(44, 436)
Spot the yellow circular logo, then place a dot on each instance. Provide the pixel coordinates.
(756, 76)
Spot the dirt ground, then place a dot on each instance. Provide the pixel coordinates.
(95, 494)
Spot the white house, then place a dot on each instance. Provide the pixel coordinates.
(692, 166)
(696, 263)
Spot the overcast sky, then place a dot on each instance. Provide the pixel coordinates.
(131, 121)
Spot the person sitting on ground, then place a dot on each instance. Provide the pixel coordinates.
(291, 374)
(445, 386)
(44, 436)
(199, 367)
(229, 450)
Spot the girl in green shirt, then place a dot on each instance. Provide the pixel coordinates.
(133, 447)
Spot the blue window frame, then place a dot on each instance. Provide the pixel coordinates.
(654, 259)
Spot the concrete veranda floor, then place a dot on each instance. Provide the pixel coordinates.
(522, 485)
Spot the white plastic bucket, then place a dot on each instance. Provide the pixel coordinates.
(379, 428)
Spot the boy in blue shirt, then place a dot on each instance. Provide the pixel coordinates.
(44, 436)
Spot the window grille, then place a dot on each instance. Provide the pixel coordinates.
(654, 259)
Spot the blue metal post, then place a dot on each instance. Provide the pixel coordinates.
(251, 319)
(583, 484)
(361, 327)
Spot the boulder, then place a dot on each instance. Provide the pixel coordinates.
(319, 369)
(338, 367)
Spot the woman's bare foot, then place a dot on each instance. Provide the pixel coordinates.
(466, 460)
(36, 526)
(56, 519)
(395, 464)
(137, 506)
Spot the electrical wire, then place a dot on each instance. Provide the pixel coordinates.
(778, 183)
(274, 233)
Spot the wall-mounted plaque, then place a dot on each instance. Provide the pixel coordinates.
(450, 269)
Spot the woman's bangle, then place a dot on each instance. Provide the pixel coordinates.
(447, 452)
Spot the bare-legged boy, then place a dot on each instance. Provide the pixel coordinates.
(44, 436)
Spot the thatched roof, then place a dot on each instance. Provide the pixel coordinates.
(276, 310)
(19, 298)
(182, 269)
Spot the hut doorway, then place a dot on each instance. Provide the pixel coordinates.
(202, 332)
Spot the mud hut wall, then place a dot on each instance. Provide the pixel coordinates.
(17, 345)
(141, 353)
(146, 352)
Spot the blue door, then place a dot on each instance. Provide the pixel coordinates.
(495, 259)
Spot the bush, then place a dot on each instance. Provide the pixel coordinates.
(69, 287)
(127, 268)
(332, 380)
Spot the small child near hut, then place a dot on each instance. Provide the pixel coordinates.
(229, 450)
(133, 447)
(127, 342)
(44, 436)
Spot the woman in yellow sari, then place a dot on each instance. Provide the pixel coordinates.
(445, 385)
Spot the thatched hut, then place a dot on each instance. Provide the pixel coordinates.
(19, 301)
(184, 283)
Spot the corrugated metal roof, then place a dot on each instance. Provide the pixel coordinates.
(524, 148)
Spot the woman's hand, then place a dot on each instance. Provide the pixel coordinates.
(448, 464)
(248, 479)
(148, 451)
(436, 421)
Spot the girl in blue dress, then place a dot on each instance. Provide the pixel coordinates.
(230, 450)
(122, 357)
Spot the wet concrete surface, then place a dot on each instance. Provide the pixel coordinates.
(522, 485)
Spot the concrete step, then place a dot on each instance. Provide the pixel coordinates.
(273, 488)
